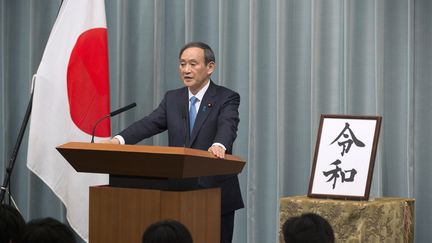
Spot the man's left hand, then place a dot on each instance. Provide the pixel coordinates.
(217, 151)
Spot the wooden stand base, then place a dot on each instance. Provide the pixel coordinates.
(122, 214)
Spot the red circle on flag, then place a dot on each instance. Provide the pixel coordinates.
(88, 82)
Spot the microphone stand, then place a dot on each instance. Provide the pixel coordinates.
(14, 154)
(95, 125)
(114, 113)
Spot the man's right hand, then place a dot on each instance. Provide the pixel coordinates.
(110, 141)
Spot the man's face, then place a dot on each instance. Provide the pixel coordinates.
(193, 70)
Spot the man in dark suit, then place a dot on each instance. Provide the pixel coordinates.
(201, 115)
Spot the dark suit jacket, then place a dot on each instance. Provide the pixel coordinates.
(217, 121)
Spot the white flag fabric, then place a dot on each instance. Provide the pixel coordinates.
(71, 92)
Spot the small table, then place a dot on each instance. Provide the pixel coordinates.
(377, 220)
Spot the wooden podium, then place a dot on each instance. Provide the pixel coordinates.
(147, 184)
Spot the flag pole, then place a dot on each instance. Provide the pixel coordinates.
(15, 151)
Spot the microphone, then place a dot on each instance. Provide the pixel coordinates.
(184, 113)
(184, 118)
(116, 112)
(130, 106)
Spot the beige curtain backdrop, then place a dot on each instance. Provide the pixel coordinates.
(290, 60)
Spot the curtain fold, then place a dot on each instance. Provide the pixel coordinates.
(291, 61)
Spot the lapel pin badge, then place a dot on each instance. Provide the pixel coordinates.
(207, 107)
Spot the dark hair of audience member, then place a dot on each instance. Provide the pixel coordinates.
(47, 230)
(307, 228)
(11, 224)
(167, 231)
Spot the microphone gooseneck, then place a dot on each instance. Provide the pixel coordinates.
(95, 125)
(116, 112)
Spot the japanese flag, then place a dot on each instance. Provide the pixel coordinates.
(71, 92)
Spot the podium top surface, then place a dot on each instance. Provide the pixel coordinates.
(147, 161)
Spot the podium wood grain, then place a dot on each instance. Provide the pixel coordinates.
(122, 214)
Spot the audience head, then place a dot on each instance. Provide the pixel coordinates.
(11, 224)
(167, 231)
(47, 230)
(307, 228)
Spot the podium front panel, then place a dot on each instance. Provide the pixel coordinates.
(122, 214)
